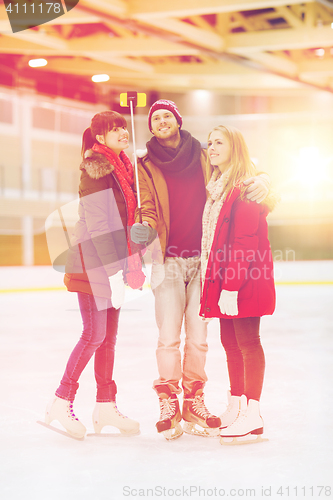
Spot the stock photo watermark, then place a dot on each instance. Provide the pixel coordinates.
(27, 14)
(323, 491)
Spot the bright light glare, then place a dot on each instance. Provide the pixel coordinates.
(37, 63)
(201, 99)
(311, 167)
(320, 52)
(100, 78)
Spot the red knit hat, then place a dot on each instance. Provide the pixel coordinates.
(164, 104)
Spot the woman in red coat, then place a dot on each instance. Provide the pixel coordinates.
(237, 277)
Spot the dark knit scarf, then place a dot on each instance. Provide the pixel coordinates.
(182, 161)
(123, 169)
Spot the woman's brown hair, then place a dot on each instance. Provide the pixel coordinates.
(101, 124)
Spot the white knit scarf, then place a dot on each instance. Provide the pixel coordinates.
(214, 203)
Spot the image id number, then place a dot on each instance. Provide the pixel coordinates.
(305, 491)
(34, 8)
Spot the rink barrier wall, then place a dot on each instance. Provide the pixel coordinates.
(62, 289)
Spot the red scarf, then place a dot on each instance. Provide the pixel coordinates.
(123, 169)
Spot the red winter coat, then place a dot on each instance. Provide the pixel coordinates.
(240, 259)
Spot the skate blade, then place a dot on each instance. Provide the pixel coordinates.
(59, 431)
(190, 428)
(248, 439)
(173, 433)
(113, 434)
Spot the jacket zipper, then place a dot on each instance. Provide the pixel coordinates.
(118, 184)
(209, 280)
(161, 209)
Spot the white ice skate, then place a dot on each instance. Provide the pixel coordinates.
(232, 411)
(107, 414)
(170, 416)
(62, 411)
(248, 426)
(197, 419)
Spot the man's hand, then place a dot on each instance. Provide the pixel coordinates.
(258, 188)
(140, 233)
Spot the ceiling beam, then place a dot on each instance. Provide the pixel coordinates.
(276, 63)
(217, 68)
(112, 7)
(38, 38)
(89, 67)
(133, 47)
(279, 39)
(326, 3)
(207, 39)
(146, 9)
(122, 62)
(321, 67)
(75, 16)
(290, 17)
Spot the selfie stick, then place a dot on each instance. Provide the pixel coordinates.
(131, 99)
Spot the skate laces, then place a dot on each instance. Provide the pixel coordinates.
(229, 408)
(119, 413)
(168, 408)
(199, 407)
(71, 411)
(240, 417)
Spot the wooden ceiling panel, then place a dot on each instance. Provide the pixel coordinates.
(186, 44)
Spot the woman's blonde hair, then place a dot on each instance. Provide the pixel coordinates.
(240, 165)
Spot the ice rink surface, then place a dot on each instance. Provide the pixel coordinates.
(38, 330)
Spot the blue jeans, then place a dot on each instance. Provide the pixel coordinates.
(99, 338)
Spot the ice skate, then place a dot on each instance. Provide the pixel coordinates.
(248, 426)
(231, 413)
(62, 411)
(196, 414)
(170, 417)
(108, 414)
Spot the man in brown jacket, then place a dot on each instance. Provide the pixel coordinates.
(172, 179)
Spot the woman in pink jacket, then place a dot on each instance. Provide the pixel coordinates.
(237, 278)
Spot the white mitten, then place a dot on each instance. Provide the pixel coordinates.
(228, 303)
(117, 289)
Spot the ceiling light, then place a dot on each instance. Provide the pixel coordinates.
(320, 52)
(100, 78)
(37, 63)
